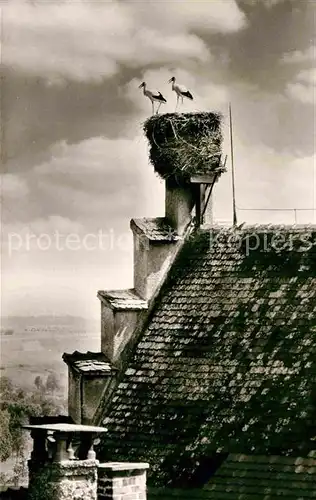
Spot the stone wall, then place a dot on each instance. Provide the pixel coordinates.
(67, 480)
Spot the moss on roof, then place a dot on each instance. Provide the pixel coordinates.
(247, 477)
(228, 361)
(253, 477)
(185, 144)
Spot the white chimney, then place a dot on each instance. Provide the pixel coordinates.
(179, 203)
(155, 245)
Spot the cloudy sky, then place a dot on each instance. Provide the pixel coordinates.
(74, 157)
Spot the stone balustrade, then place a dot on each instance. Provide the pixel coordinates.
(63, 463)
(63, 466)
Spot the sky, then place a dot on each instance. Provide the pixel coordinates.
(75, 164)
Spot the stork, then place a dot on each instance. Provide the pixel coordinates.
(153, 95)
(180, 90)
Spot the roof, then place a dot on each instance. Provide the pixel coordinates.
(249, 477)
(94, 363)
(275, 477)
(227, 362)
(122, 300)
(156, 230)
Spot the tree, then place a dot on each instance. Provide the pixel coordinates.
(19, 410)
(39, 383)
(5, 435)
(52, 382)
(6, 388)
(16, 406)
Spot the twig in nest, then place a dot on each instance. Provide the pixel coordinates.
(173, 129)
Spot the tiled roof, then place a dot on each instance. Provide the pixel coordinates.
(88, 362)
(251, 477)
(245, 477)
(122, 299)
(228, 361)
(155, 229)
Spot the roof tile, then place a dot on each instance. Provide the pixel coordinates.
(89, 362)
(122, 299)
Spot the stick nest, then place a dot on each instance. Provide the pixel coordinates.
(187, 144)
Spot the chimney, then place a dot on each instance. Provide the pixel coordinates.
(185, 152)
(122, 481)
(190, 200)
(63, 466)
(179, 202)
(58, 469)
(90, 375)
(121, 311)
(155, 246)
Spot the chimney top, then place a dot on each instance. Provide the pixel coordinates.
(65, 427)
(155, 229)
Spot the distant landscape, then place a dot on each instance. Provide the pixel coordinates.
(33, 346)
(34, 379)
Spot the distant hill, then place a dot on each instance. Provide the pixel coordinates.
(37, 343)
(70, 323)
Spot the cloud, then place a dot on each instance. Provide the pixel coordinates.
(270, 188)
(300, 56)
(88, 41)
(94, 166)
(303, 87)
(302, 84)
(13, 186)
(206, 17)
(13, 191)
(43, 225)
(301, 92)
(151, 47)
(308, 76)
(98, 182)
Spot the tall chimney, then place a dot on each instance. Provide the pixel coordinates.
(185, 151)
(179, 203)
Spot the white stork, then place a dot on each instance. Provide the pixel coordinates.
(153, 95)
(180, 90)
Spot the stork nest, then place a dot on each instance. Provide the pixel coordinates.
(186, 144)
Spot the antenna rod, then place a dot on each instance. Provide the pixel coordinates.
(232, 162)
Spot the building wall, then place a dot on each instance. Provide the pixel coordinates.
(141, 247)
(74, 395)
(92, 390)
(117, 328)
